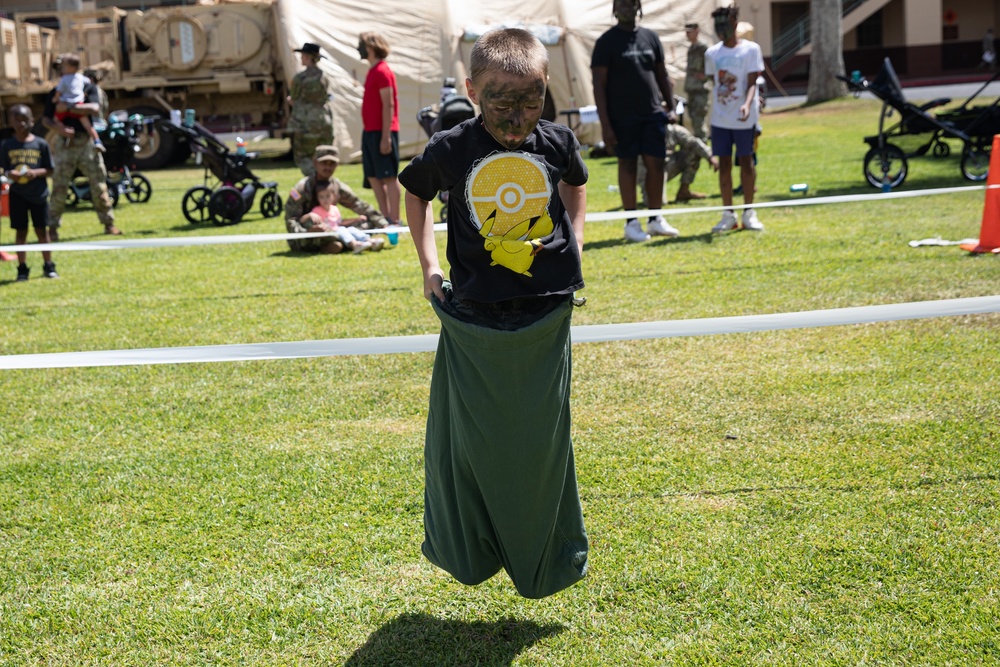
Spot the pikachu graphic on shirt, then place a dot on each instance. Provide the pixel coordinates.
(508, 195)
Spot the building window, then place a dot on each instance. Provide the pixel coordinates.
(869, 31)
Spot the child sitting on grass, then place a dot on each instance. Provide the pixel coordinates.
(326, 216)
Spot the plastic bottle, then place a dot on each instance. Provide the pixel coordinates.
(241, 146)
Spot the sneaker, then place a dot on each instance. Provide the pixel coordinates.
(361, 246)
(100, 147)
(633, 231)
(49, 270)
(750, 221)
(728, 222)
(377, 244)
(22, 272)
(659, 227)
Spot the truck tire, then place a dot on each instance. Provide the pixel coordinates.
(156, 149)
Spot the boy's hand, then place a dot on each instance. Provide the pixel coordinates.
(432, 285)
(744, 112)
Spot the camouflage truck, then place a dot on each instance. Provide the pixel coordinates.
(220, 60)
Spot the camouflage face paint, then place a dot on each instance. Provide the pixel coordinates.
(511, 105)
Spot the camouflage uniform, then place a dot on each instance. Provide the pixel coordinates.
(80, 154)
(684, 155)
(697, 91)
(311, 121)
(302, 199)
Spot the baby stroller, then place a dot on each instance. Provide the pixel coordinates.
(120, 136)
(453, 110)
(236, 188)
(919, 130)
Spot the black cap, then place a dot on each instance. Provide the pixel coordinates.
(690, 26)
(311, 49)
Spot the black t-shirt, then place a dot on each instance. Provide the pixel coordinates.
(33, 154)
(499, 202)
(631, 58)
(90, 96)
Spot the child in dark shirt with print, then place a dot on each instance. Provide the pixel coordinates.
(26, 162)
(500, 476)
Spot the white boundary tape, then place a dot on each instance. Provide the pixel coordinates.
(177, 241)
(581, 334)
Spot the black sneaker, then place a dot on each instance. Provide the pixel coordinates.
(22, 272)
(49, 270)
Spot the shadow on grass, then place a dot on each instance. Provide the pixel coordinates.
(417, 640)
(706, 237)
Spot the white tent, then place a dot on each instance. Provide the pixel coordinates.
(432, 39)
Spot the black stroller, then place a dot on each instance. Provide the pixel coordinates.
(121, 137)
(920, 131)
(453, 110)
(236, 188)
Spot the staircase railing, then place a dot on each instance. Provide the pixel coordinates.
(797, 35)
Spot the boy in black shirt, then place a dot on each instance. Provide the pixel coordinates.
(500, 477)
(25, 160)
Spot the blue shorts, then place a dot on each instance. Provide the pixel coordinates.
(642, 135)
(375, 164)
(724, 139)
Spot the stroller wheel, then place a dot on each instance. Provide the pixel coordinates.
(140, 191)
(941, 149)
(975, 163)
(886, 162)
(225, 206)
(195, 204)
(71, 197)
(270, 204)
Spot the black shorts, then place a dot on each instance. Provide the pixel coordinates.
(375, 164)
(641, 135)
(21, 207)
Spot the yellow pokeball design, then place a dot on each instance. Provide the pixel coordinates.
(508, 195)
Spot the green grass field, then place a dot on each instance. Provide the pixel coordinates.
(803, 497)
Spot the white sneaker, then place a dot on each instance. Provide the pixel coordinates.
(633, 231)
(659, 227)
(750, 221)
(728, 222)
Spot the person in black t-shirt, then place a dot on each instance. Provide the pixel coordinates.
(631, 88)
(500, 486)
(25, 161)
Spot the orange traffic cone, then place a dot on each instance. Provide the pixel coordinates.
(989, 235)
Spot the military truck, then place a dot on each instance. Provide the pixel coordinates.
(221, 60)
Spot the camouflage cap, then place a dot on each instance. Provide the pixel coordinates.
(690, 26)
(326, 154)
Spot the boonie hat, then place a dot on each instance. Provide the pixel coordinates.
(311, 49)
(326, 154)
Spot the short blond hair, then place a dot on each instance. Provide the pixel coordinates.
(510, 50)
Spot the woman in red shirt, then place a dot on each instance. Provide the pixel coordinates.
(380, 116)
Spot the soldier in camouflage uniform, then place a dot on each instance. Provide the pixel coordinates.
(302, 199)
(684, 154)
(72, 149)
(696, 84)
(310, 123)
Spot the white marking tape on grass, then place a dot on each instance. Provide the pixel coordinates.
(581, 334)
(803, 201)
(177, 241)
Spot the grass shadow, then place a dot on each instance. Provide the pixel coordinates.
(417, 640)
